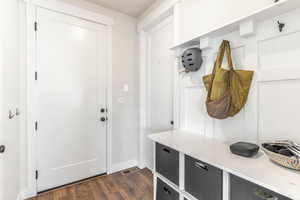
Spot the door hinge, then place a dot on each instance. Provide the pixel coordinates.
(35, 75)
(36, 174)
(35, 26)
(35, 125)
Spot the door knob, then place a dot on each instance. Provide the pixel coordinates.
(2, 149)
(103, 119)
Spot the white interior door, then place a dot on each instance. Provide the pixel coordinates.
(71, 90)
(160, 82)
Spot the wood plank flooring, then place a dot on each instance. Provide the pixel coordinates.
(135, 185)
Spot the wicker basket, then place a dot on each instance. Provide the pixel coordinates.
(289, 162)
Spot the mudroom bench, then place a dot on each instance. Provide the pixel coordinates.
(188, 166)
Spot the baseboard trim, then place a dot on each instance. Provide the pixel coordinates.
(19, 197)
(142, 165)
(26, 194)
(123, 165)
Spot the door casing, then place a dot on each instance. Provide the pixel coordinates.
(152, 124)
(28, 101)
(162, 12)
(144, 36)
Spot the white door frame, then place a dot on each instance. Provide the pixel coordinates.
(164, 11)
(1, 114)
(29, 100)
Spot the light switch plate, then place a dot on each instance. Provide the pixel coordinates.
(125, 88)
(121, 100)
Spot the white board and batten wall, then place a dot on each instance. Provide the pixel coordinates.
(271, 110)
(273, 103)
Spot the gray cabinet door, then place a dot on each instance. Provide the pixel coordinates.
(242, 189)
(203, 181)
(165, 192)
(167, 163)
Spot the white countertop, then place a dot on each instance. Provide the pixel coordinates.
(259, 170)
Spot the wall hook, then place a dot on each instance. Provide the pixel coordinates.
(17, 112)
(11, 115)
(275, 1)
(280, 26)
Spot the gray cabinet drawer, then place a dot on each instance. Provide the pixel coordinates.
(167, 163)
(243, 189)
(165, 192)
(202, 180)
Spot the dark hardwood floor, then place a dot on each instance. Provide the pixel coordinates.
(135, 185)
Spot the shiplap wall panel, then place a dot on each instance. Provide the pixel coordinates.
(274, 101)
(195, 109)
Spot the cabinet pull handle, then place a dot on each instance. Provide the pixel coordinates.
(201, 166)
(264, 195)
(167, 191)
(166, 150)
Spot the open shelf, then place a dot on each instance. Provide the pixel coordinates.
(270, 11)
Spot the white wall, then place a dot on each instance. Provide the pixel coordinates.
(125, 104)
(9, 77)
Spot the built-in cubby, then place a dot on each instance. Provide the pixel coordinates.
(199, 180)
(202, 180)
(242, 189)
(165, 192)
(167, 163)
(190, 33)
(193, 167)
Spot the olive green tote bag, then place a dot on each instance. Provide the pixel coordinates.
(227, 89)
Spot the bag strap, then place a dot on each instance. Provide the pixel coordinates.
(224, 49)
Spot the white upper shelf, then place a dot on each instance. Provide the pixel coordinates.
(270, 11)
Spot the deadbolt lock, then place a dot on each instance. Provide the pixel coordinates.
(103, 119)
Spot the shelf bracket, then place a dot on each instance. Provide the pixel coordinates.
(205, 43)
(247, 28)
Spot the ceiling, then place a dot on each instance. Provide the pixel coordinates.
(133, 8)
